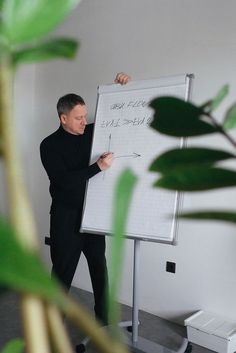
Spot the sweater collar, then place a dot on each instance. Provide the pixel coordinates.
(67, 134)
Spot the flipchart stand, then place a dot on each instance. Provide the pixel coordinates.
(137, 343)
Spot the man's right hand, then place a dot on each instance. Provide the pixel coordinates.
(105, 161)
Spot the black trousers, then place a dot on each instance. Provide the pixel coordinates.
(67, 243)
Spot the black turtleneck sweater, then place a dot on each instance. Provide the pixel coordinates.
(65, 158)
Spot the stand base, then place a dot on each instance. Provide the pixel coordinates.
(145, 346)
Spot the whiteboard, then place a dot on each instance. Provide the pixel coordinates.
(122, 127)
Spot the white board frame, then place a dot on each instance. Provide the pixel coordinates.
(170, 81)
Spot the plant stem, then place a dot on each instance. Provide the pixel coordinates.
(32, 310)
(221, 130)
(57, 329)
(19, 209)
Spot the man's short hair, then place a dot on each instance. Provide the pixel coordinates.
(66, 103)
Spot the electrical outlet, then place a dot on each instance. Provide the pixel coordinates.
(170, 266)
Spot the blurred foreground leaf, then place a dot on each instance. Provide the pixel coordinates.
(55, 48)
(176, 117)
(230, 118)
(31, 19)
(3, 289)
(22, 271)
(187, 158)
(122, 198)
(197, 179)
(228, 216)
(14, 346)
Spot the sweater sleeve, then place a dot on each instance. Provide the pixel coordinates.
(57, 172)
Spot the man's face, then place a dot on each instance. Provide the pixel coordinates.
(75, 121)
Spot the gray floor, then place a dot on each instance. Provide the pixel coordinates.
(151, 327)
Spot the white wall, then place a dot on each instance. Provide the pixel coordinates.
(148, 39)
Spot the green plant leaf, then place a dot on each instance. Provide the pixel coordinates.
(197, 179)
(22, 271)
(227, 216)
(230, 118)
(27, 20)
(187, 158)
(55, 48)
(175, 117)
(214, 103)
(122, 198)
(14, 346)
(223, 92)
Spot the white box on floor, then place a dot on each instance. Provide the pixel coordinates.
(212, 331)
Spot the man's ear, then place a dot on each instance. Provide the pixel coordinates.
(63, 118)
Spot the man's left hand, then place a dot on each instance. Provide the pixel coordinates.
(122, 78)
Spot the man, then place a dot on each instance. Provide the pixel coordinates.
(65, 156)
